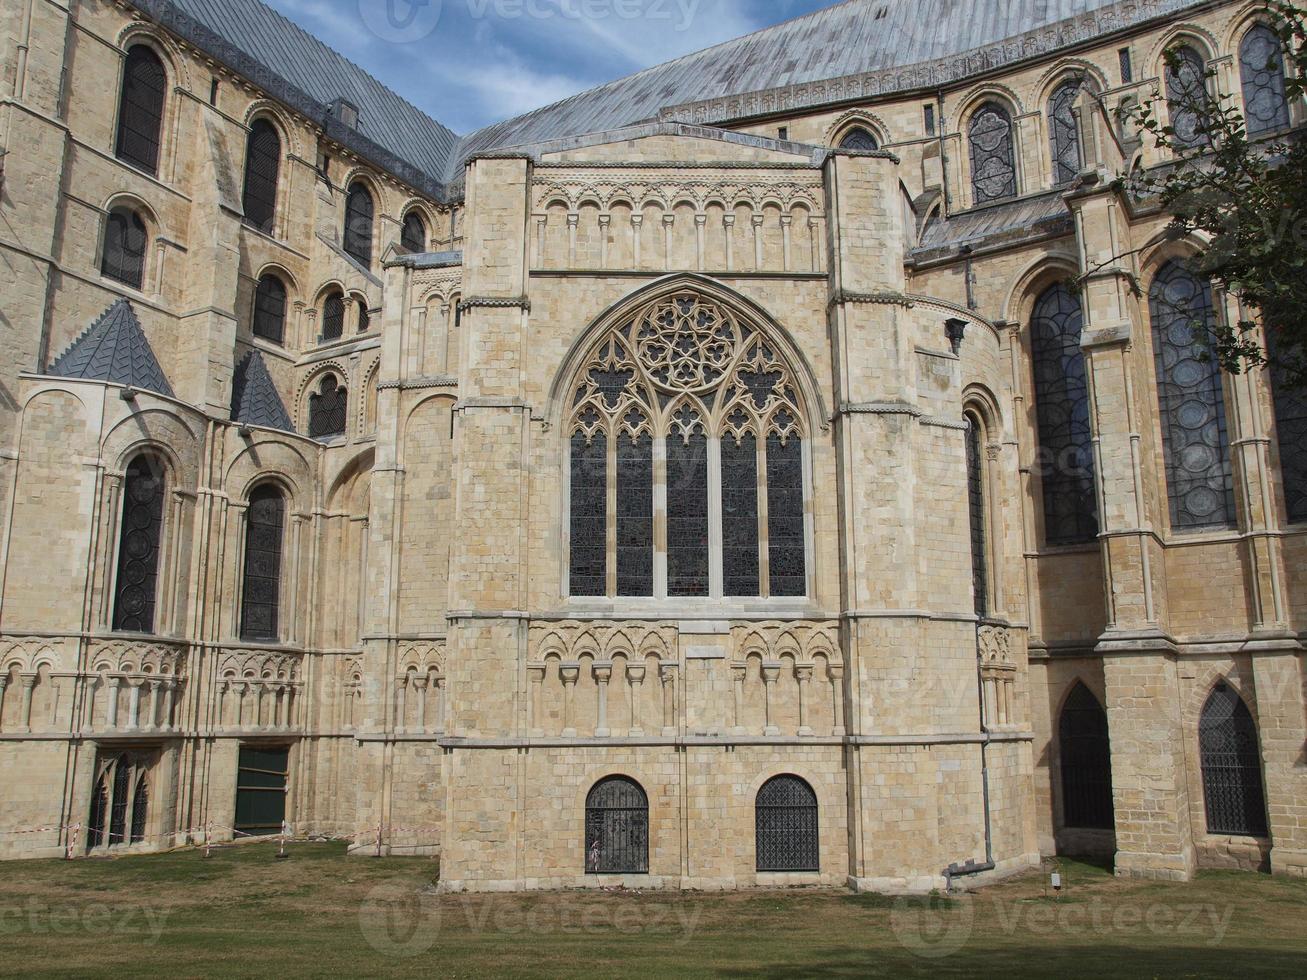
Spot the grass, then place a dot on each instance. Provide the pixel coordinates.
(242, 913)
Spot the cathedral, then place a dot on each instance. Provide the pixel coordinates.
(796, 463)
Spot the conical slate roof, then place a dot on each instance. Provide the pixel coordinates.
(114, 348)
(254, 398)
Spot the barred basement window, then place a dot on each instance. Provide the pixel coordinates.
(1065, 458)
(261, 586)
(1186, 97)
(413, 236)
(262, 162)
(359, 212)
(1291, 433)
(1199, 482)
(785, 825)
(138, 546)
(327, 415)
(1232, 766)
(140, 109)
(1064, 134)
(1086, 762)
(270, 309)
(1261, 67)
(333, 316)
(993, 156)
(858, 138)
(976, 515)
(125, 239)
(616, 828)
(685, 382)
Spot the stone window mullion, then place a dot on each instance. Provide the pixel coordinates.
(610, 525)
(764, 541)
(716, 579)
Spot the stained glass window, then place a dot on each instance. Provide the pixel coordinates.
(1261, 66)
(785, 826)
(785, 523)
(976, 516)
(333, 316)
(359, 211)
(138, 546)
(635, 527)
(140, 109)
(1065, 457)
(859, 138)
(687, 515)
(413, 236)
(1191, 407)
(993, 156)
(1232, 766)
(327, 406)
(262, 162)
(261, 587)
(1291, 432)
(124, 247)
(1186, 97)
(270, 309)
(589, 562)
(1064, 134)
(740, 558)
(1085, 760)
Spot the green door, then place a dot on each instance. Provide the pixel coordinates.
(261, 790)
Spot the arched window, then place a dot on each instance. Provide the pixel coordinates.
(261, 586)
(125, 240)
(993, 156)
(687, 381)
(1065, 457)
(1261, 67)
(359, 211)
(138, 546)
(96, 823)
(1191, 407)
(365, 319)
(333, 316)
(1187, 97)
(140, 109)
(140, 806)
(1063, 133)
(270, 309)
(976, 514)
(122, 787)
(327, 409)
(262, 161)
(120, 802)
(413, 236)
(859, 138)
(1291, 433)
(1232, 766)
(785, 822)
(1086, 762)
(616, 828)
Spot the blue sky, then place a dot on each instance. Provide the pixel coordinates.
(473, 62)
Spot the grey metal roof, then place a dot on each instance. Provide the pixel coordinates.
(1036, 215)
(114, 348)
(254, 398)
(296, 68)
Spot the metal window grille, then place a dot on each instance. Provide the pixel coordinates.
(327, 407)
(138, 546)
(262, 163)
(413, 236)
(1086, 762)
(365, 318)
(1064, 134)
(1186, 95)
(333, 317)
(1199, 481)
(858, 138)
(1065, 459)
(785, 822)
(928, 113)
(124, 248)
(261, 587)
(270, 309)
(1261, 67)
(616, 828)
(122, 776)
(1232, 766)
(1127, 65)
(993, 157)
(140, 806)
(359, 212)
(976, 515)
(140, 109)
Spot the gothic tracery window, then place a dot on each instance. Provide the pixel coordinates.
(1063, 133)
(1186, 97)
(262, 162)
(1191, 405)
(993, 154)
(686, 402)
(140, 109)
(120, 801)
(1261, 68)
(859, 138)
(1065, 458)
(138, 547)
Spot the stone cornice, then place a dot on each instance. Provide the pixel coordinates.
(522, 303)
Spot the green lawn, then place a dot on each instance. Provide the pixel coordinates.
(318, 913)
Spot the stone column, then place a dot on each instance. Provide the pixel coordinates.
(770, 673)
(667, 672)
(603, 672)
(152, 713)
(25, 707)
(739, 672)
(758, 253)
(728, 223)
(700, 222)
(111, 708)
(170, 695)
(787, 220)
(605, 224)
(569, 674)
(637, 221)
(635, 679)
(803, 673)
(4, 683)
(536, 678)
(420, 684)
(134, 703)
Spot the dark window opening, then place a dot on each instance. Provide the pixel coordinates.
(270, 309)
(589, 518)
(261, 588)
(635, 518)
(261, 782)
(1086, 762)
(740, 535)
(327, 415)
(616, 828)
(785, 822)
(413, 235)
(1232, 766)
(687, 516)
(786, 557)
(140, 109)
(859, 138)
(976, 516)
(993, 156)
(262, 164)
(124, 248)
(333, 317)
(138, 547)
(359, 213)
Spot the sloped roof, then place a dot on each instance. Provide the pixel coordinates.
(254, 398)
(114, 348)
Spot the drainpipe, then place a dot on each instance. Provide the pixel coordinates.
(970, 867)
(943, 151)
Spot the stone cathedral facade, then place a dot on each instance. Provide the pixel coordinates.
(791, 464)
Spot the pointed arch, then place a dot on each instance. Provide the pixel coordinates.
(1230, 754)
(1084, 758)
